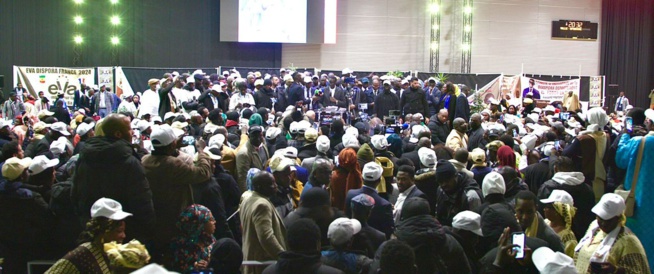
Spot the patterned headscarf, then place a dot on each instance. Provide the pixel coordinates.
(566, 211)
(249, 176)
(193, 244)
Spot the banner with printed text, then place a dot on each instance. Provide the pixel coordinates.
(54, 80)
(106, 77)
(499, 88)
(595, 95)
(551, 91)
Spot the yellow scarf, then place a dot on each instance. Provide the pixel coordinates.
(566, 211)
(532, 230)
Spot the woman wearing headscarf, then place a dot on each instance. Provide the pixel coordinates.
(588, 149)
(559, 217)
(192, 248)
(256, 120)
(106, 225)
(347, 176)
(609, 246)
(506, 157)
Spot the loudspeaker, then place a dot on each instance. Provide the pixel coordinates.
(613, 90)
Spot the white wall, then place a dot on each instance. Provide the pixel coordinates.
(509, 33)
(370, 35)
(383, 35)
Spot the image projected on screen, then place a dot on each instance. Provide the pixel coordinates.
(274, 21)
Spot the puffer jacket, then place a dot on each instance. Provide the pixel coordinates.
(109, 167)
(467, 197)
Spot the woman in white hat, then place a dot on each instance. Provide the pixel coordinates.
(105, 226)
(609, 246)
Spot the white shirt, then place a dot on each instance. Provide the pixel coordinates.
(400, 202)
(239, 98)
(180, 95)
(193, 95)
(150, 103)
(102, 103)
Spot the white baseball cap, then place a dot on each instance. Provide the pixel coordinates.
(290, 152)
(610, 206)
(468, 220)
(213, 152)
(143, 125)
(178, 128)
(558, 195)
(341, 230)
(216, 140)
(350, 140)
(14, 167)
(57, 147)
(323, 143)
(108, 208)
(387, 82)
(372, 171)
(272, 133)
(493, 183)
(41, 163)
(302, 126)
(60, 127)
(162, 135)
(352, 130)
(294, 127)
(346, 71)
(379, 142)
(279, 163)
(649, 113)
(84, 128)
(169, 115)
(427, 157)
(550, 262)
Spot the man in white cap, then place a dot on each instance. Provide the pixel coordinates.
(381, 216)
(170, 178)
(58, 129)
(466, 229)
(287, 197)
(322, 148)
(385, 101)
(340, 233)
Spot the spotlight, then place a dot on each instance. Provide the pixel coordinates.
(78, 1)
(115, 40)
(434, 8)
(465, 47)
(434, 45)
(467, 28)
(115, 20)
(435, 27)
(78, 39)
(113, 2)
(467, 10)
(78, 19)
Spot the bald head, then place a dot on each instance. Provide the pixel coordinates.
(443, 115)
(264, 183)
(460, 125)
(424, 142)
(117, 126)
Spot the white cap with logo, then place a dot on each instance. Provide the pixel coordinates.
(108, 208)
(611, 205)
(162, 135)
(558, 195)
(341, 230)
(41, 163)
(372, 172)
(550, 262)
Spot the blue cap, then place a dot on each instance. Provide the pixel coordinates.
(390, 130)
(365, 80)
(405, 126)
(362, 201)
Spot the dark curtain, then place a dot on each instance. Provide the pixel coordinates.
(627, 49)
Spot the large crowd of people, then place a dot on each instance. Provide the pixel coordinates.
(301, 173)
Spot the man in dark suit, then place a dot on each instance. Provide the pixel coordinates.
(334, 95)
(295, 92)
(209, 99)
(462, 105)
(406, 185)
(381, 216)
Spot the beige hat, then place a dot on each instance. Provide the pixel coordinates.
(153, 81)
(14, 167)
(311, 135)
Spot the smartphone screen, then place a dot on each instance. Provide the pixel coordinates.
(629, 124)
(519, 239)
(557, 145)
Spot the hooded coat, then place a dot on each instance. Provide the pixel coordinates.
(262, 98)
(467, 196)
(435, 250)
(97, 177)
